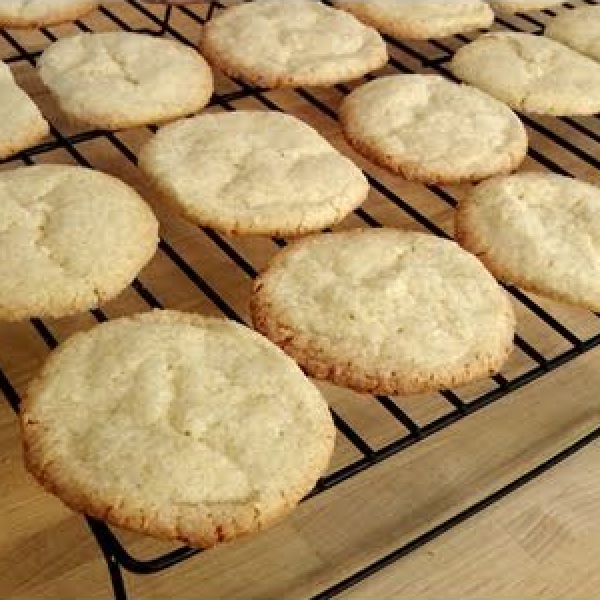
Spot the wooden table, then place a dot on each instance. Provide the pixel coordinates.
(542, 541)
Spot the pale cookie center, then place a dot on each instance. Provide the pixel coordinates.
(185, 414)
(427, 310)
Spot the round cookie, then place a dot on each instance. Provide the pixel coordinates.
(22, 123)
(70, 239)
(522, 6)
(539, 231)
(530, 73)
(385, 311)
(253, 172)
(25, 14)
(292, 43)
(119, 79)
(579, 29)
(179, 426)
(429, 129)
(421, 19)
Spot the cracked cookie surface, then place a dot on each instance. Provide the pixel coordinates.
(296, 42)
(253, 172)
(21, 122)
(427, 128)
(539, 231)
(385, 311)
(70, 238)
(37, 13)
(531, 73)
(176, 425)
(119, 79)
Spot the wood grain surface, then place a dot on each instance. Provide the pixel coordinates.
(541, 542)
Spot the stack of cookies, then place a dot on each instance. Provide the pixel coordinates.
(199, 429)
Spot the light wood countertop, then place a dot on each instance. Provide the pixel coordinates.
(540, 542)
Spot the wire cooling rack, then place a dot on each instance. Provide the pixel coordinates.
(574, 141)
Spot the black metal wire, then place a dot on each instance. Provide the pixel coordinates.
(461, 517)
(117, 557)
(103, 537)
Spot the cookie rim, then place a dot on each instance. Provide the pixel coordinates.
(33, 136)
